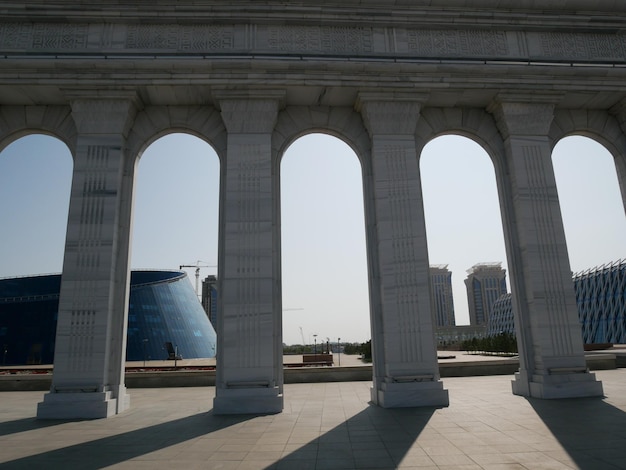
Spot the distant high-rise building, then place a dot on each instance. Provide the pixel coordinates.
(209, 298)
(485, 283)
(441, 295)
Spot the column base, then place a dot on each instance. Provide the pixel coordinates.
(79, 405)
(572, 384)
(410, 394)
(232, 401)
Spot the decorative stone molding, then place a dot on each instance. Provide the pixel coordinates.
(111, 113)
(523, 115)
(105, 38)
(389, 113)
(249, 112)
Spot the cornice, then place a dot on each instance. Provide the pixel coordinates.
(553, 15)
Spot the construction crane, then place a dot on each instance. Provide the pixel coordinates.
(197, 266)
(302, 334)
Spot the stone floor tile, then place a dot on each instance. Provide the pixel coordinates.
(452, 460)
(335, 464)
(484, 423)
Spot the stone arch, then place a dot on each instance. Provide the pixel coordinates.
(347, 125)
(598, 125)
(19, 121)
(153, 122)
(341, 122)
(479, 125)
(473, 123)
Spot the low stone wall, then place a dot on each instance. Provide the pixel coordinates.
(206, 378)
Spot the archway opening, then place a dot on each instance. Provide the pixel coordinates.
(591, 203)
(324, 267)
(465, 236)
(35, 186)
(595, 225)
(176, 215)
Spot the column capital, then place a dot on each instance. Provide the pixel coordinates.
(389, 113)
(249, 111)
(524, 114)
(103, 111)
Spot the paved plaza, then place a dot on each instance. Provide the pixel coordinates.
(329, 426)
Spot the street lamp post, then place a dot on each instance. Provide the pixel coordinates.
(339, 350)
(315, 347)
(145, 341)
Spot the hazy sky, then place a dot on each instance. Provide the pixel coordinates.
(324, 265)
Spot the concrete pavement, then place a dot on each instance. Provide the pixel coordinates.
(329, 426)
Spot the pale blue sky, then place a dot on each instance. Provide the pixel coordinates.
(324, 265)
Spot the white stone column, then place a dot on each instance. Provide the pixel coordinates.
(250, 371)
(619, 110)
(90, 349)
(552, 361)
(404, 354)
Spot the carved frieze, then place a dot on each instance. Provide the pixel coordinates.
(183, 38)
(322, 39)
(307, 39)
(457, 43)
(43, 36)
(582, 46)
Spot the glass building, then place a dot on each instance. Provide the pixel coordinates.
(501, 317)
(601, 300)
(163, 308)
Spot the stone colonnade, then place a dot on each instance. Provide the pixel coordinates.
(250, 130)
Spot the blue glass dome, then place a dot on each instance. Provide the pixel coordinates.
(163, 308)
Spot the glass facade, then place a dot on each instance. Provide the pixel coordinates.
(163, 307)
(601, 300)
(501, 318)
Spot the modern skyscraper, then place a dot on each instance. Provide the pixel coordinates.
(209, 298)
(485, 283)
(441, 295)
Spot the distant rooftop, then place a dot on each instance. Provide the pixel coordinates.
(487, 265)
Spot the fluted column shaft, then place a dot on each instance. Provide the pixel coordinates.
(404, 353)
(90, 349)
(552, 362)
(249, 377)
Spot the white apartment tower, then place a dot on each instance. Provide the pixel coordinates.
(485, 283)
(441, 295)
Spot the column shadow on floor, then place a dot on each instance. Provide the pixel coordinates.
(24, 425)
(374, 438)
(590, 430)
(103, 452)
